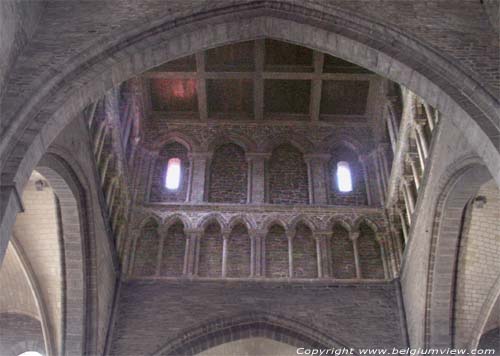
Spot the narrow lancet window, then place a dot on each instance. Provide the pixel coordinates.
(344, 180)
(173, 176)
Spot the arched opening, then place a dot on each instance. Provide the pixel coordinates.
(342, 253)
(370, 257)
(228, 175)
(239, 252)
(288, 182)
(170, 185)
(305, 260)
(258, 329)
(478, 265)
(146, 250)
(253, 346)
(173, 251)
(453, 218)
(276, 251)
(210, 253)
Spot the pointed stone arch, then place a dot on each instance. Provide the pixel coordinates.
(247, 325)
(58, 96)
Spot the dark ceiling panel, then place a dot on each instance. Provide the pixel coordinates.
(286, 57)
(230, 96)
(344, 97)
(174, 95)
(238, 57)
(287, 96)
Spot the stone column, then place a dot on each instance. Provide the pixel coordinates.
(410, 158)
(354, 238)
(362, 160)
(256, 177)
(225, 240)
(392, 135)
(430, 116)
(383, 253)
(420, 153)
(187, 248)
(105, 168)
(320, 238)
(290, 235)
(421, 136)
(373, 156)
(403, 224)
(259, 253)
(252, 254)
(317, 178)
(194, 236)
(198, 176)
(411, 198)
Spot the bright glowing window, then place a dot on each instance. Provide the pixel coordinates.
(173, 176)
(30, 353)
(344, 179)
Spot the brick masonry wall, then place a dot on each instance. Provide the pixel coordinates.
(238, 259)
(478, 263)
(228, 175)
(342, 254)
(210, 259)
(146, 251)
(174, 247)
(276, 252)
(305, 261)
(358, 194)
(369, 254)
(359, 316)
(18, 22)
(158, 191)
(20, 333)
(288, 176)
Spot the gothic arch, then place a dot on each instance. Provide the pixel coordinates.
(174, 218)
(74, 199)
(48, 337)
(292, 224)
(339, 220)
(458, 188)
(241, 219)
(367, 221)
(245, 142)
(253, 324)
(302, 144)
(190, 143)
(211, 218)
(61, 95)
(273, 220)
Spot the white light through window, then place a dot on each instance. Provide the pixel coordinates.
(30, 353)
(173, 177)
(344, 180)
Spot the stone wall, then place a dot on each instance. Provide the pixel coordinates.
(228, 175)
(352, 315)
(239, 252)
(173, 249)
(288, 182)
(18, 22)
(478, 263)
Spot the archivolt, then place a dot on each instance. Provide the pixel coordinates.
(220, 331)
